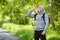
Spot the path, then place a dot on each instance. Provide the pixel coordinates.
(7, 36)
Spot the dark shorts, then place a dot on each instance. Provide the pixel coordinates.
(37, 35)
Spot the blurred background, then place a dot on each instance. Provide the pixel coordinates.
(13, 17)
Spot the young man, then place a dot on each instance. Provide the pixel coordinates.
(40, 27)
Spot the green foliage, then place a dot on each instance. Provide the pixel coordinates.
(16, 9)
(13, 12)
(54, 38)
(1, 22)
(25, 32)
(56, 8)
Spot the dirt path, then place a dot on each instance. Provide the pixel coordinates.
(7, 36)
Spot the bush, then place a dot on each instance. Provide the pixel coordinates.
(24, 32)
(1, 23)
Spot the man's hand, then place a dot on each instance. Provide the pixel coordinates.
(43, 33)
(33, 9)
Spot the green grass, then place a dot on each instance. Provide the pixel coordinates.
(26, 32)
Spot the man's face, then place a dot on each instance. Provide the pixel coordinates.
(39, 10)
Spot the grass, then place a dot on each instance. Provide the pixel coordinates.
(26, 32)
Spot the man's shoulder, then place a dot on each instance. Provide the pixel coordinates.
(46, 14)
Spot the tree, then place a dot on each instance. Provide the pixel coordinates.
(54, 9)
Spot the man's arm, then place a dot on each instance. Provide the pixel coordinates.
(47, 22)
(30, 14)
(46, 25)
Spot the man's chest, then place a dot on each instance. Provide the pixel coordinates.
(39, 17)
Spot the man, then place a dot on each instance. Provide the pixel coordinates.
(40, 27)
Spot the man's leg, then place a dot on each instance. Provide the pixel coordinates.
(43, 37)
(36, 35)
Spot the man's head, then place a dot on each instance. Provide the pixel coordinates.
(40, 9)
